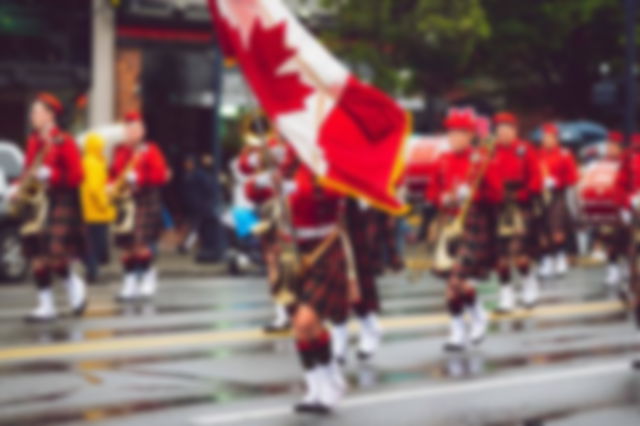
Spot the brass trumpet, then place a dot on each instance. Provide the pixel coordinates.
(121, 196)
(452, 229)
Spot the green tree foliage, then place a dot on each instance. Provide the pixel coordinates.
(410, 45)
(533, 53)
(548, 52)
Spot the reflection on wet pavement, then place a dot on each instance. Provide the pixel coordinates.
(148, 382)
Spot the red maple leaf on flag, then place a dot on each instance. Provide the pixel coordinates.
(278, 92)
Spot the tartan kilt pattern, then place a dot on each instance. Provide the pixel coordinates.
(616, 237)
(362, 228)
(270, 253)
(64, 234)
(557, 215)
(529, 243)
(324, 286)
(147, 219)
(476, 251)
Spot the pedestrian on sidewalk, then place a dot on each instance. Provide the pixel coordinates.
(97, 210)
(198, 190)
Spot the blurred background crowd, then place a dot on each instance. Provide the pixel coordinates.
(559, 61)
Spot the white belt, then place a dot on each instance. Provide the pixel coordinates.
(314, 232)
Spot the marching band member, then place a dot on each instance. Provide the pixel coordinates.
(361, 224)
(522, 179)
(320, 291)
(600, 199)
(560, 175)
(142, 168)
(252, 162)
(467, 176)
(628, 184)
(62, 238)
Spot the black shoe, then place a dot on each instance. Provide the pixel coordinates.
(32, 319)
(478, 341)
(316, 408)
(80, 310)
(364, 356)
(277, 329)
(126, 300)
(450, 347)
(636, 364)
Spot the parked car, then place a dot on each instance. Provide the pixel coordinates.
(576, 135)
(13, 265)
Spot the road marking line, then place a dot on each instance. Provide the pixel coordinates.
(426, 392)
(253, 335)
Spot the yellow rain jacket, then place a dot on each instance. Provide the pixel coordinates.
(96, 206)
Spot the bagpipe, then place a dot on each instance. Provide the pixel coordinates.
(30, 202)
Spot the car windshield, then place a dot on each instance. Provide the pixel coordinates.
(10, 161)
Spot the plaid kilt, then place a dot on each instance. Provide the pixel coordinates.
(147, 220)
(529, 243)
(384, 252)
(476, 251)
(270, 252)
(361, 225)
(324, 286)
(65, 234)
(557, 215)
(616, 237)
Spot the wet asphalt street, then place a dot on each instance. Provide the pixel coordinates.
(196, 357)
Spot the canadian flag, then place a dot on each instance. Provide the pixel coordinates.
(350, 134)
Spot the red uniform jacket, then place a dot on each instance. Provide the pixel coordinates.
(559, 164)
(63, 159)
(150, 165)
(519, 167)
(455, 169)
(628, 179)
(314, 210)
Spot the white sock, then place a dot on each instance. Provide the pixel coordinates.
(76, 290)
(46, 304)
(457, 331)
(282, 316)
(370, 333)
(340, 340)
(149, 282)
(129, 285)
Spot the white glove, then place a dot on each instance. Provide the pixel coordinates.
(550, 183)
(279, 154)
(132, 178)
(12, 192)
(463, 193)
(635, 201)
(254, 160)
(43, 174)
(263, 180)
(289, 187)
(626, 217)
(363, 205)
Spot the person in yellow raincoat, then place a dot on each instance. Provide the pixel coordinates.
(97, 209)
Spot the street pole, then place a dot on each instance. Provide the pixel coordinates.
(630, 87)
(101, 95)
(218, 234)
